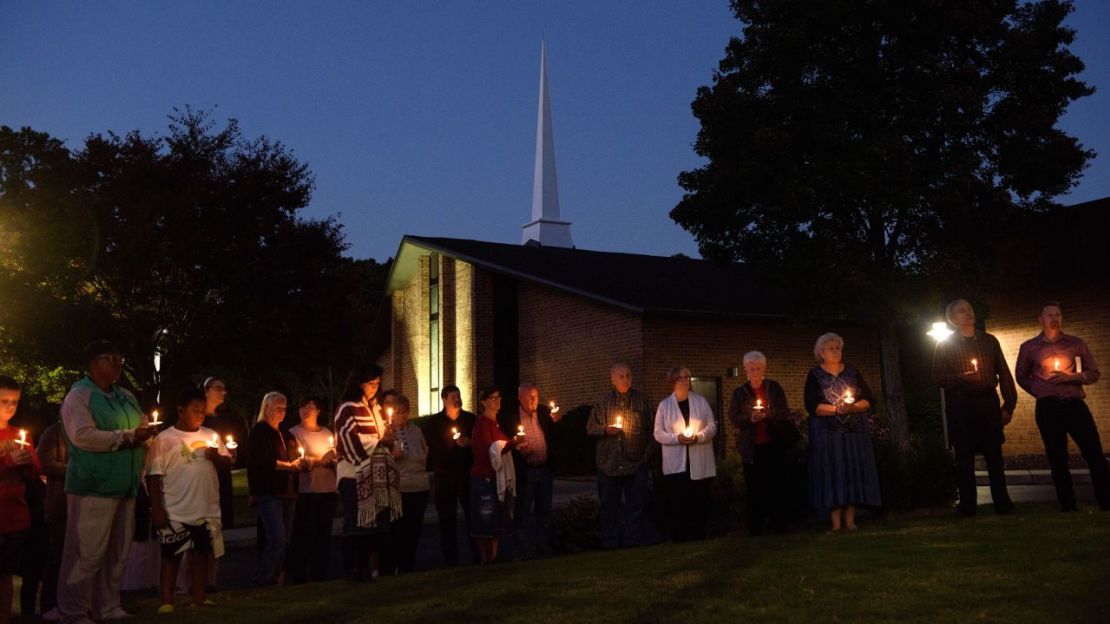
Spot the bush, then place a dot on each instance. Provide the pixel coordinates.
(575, 526)
(921, 475)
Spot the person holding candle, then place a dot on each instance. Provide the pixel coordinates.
(449, 460)
(534, 476)
(622, 421)
(270, 471)
(685, 427)
(369, 483)
(219, 418)
(19, 465)
(185, 497)
(760, 413)
(842, 469)
(53, 450)
(108, 435)
(975, 419)
(488, 502)
(411, 455)
(1048, 367)
(316, 497)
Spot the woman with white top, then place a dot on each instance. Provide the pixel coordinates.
(316, 498)
(685, 427)
(411, 454)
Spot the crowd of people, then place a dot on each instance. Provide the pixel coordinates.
(68, 507)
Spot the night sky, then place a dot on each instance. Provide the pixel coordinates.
(419, 117)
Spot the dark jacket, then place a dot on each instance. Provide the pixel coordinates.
(445, 457)
(779, 425)
(263, 477)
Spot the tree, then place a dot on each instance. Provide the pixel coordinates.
(191, 244)
(869, 149)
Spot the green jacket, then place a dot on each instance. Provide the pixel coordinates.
(98, 463)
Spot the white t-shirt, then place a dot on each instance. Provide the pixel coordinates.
(189, 485)
(318, 444)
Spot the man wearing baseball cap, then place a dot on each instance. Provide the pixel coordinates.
(108, 434)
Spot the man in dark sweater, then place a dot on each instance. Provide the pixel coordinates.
(969, 367)
(449, 460)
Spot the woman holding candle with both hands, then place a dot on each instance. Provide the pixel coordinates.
(411, 454)
(316, 496)
(685, 427)
(842, 470)
(270, 472)
(760, 412)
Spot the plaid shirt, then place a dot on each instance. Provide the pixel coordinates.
(622, 454)
(954, 370)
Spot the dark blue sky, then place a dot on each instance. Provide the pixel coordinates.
(419, 117)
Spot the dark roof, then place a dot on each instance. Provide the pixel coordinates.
(640, 283)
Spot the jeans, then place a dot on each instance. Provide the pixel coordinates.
(623, 525)
(275, 517)
(311, 546)
(535, 490)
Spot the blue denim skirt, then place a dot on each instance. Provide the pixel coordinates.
(487, 514)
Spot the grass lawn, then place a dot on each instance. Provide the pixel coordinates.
(1038, 566)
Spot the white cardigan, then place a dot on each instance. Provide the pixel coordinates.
(669, 423)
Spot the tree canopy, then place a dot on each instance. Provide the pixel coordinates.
(868, 147)
(191, 244)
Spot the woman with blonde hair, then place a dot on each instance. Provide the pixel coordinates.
(685, 427)
(842, 470)
(270, 473)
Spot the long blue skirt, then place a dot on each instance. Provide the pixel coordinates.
(842, 468)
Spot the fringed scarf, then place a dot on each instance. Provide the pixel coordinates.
(378, 483)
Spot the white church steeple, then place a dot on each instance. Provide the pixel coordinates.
(546, 227)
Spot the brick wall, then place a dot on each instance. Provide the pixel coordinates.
(710, 347)
(1012, 320)
(482, 332)
(568, 343)
(465, 364)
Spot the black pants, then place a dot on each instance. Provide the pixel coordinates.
(975, 426)
(687, 506)
(1057, 419)
(400, 556)
(768, 485)
(451, 491)
(312, 523)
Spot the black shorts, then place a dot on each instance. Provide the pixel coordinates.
(11, 552)
(178, 538)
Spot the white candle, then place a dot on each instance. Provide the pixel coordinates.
(215, 441)
(154, 418)
(331, 442)
(455, 433)
(1056, 364)
(758, 404)
(975, 364)
(389, 416)
(688, 432)
(22, 441)
(520, 430)
(849, 399)
(300, 449)
(554, 408)
(231, 444)
(1078, 364)
(620, 422)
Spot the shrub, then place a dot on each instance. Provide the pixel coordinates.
(575, 525)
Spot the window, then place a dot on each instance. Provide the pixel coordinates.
(433, 331)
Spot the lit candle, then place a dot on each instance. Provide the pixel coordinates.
(389, 416)
(300, 449)
(758, 404)
(620, 422)
(1056, 364)
(154, 418)
(22, 441)
(554, 408)
(688, 432)
(231, 444)
(331, 442)
(455, 433)
(975, 364)
(215, 441)
(1078, 364)
(849, 399)
(520, 430)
